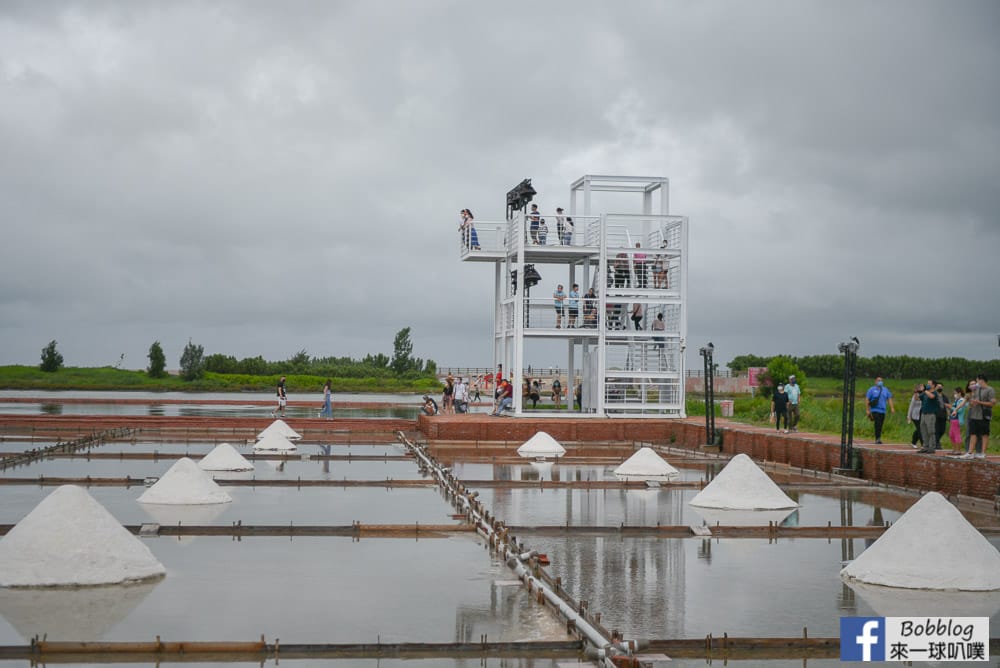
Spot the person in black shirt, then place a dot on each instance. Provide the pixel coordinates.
(282, 399)
(779, 407)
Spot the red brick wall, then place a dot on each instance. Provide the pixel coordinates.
(976, 478)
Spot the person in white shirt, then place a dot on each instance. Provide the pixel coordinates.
(461, 397)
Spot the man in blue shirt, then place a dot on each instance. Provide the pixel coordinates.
(794, 393)
(876, 398)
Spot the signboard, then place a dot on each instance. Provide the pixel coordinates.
(753, 375)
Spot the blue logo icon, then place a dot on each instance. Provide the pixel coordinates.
(862, 638)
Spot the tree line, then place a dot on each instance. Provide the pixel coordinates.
(887, 366)
(194, 363)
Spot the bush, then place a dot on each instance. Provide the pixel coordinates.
(157, 361)
(192, 362)
(52, 360)
(778, 370)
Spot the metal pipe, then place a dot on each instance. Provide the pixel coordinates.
(515, 561)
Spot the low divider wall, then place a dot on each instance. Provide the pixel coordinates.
(887, 465)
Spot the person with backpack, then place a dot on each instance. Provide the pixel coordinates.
(877, 398)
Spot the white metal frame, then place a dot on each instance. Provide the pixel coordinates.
(593, 345)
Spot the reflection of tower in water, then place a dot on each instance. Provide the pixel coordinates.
(629, 580)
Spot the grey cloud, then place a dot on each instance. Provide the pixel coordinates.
(266, 178)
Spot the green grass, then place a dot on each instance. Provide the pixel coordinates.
(108, 378)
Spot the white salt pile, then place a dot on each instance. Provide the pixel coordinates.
(225, 457)
(274, 443)
(919, 552)
(741, 485)
(281, 428)
(646, 464)
(69, 539)
(541, 445)
(185, 484)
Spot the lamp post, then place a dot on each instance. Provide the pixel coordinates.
(850, 352)
(707, 353)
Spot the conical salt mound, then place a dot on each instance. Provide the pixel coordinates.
(911, 553)
(224, 458)
(274, 443)
(185, 484)
(69, 539)
(281, 428)
(541, 445)
(646, 464)
(741, 485)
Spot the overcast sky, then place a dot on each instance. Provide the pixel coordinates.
(267, 177)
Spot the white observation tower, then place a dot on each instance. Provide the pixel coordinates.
(625, 345)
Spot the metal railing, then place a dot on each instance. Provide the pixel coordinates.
(486, 236)
(618, 314)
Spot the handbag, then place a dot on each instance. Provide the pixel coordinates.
(872, 403)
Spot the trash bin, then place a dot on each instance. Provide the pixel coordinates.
(726, 407)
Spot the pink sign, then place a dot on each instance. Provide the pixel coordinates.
(753, 374)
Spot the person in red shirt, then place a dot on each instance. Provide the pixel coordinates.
(506, 393)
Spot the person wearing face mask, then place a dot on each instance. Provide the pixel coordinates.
(794, 393)
(913, 415)
(969, 387)
(876, 399)
(928, 417)
(944, 409)
(956, 420)
(779, 408)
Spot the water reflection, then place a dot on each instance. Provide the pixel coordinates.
(83, 614)
(899, 602)
(510, 616)
(746, 518)
(638, 584)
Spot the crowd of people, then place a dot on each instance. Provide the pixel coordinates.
(457, 395)
(965, 415)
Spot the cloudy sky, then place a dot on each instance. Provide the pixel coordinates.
(264, 177)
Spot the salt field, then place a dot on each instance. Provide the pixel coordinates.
(423, 575)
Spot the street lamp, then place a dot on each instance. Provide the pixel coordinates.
(850, 352)
(707, 353)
